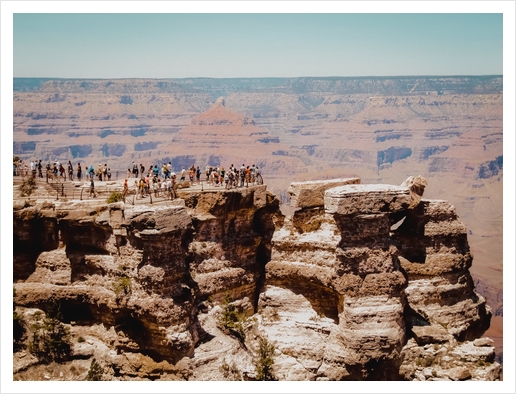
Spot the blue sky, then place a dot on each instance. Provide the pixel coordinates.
(255, 45)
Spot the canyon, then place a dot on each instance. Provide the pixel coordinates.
(361, 282)
(381, 130)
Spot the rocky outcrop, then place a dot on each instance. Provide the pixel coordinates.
(142, 269)
(342, 274)
(361, 282)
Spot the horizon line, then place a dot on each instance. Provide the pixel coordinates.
(300, 77)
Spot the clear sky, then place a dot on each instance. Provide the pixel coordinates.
(255, 45)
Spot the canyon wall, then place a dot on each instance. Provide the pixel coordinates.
(361, 282)
(380, 129)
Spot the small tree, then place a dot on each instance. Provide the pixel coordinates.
(51, 339)
(95, 372)
(265, 361)
(230, 320)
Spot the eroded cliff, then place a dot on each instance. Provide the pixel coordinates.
(361, 282)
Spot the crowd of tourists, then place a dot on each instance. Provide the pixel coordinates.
(162, 179)
(154, 179)
(57, 170)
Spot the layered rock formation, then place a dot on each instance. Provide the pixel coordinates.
(362, 282)
(381, 129)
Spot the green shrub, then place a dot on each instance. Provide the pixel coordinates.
(265, 361)
(95, 372)
(122, 285)
(115, 197)
(81, 340)
(229, 320)
(483, 363)
(50, 339)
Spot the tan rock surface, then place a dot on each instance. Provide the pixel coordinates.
(366, 199)
(339, 296)
(311, 194)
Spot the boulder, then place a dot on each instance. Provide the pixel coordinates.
(416, 185)
(459, 373)
(311, 194)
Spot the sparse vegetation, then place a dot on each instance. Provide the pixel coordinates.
(95, 372)
(272, 314)
(19, 331)
(483, 363)
(81, 340)
(230, 372)
(51, 338)
(265, 361)
(122, 285)
(229, 320)
(115, 197)
(28, 186)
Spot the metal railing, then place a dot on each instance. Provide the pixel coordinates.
(65, 189)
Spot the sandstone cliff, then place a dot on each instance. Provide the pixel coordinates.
(361, 282)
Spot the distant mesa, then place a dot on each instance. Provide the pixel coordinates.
(221, 122)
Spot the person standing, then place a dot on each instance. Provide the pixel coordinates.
(40, 169)
(70, 170)
(79, 171)
(135, 170)
(242, 175)
(62, 172)
(92, 189)
(183, 172)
